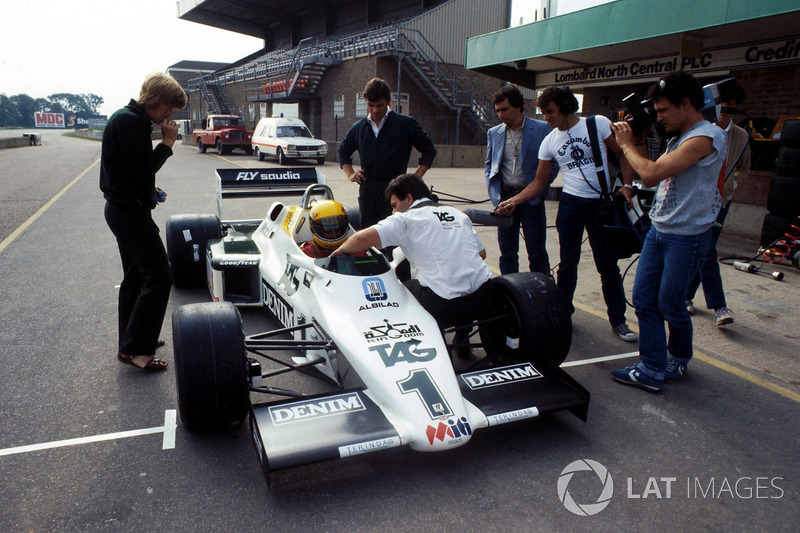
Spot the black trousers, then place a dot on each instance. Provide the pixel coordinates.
(146, 283)
(458, 311)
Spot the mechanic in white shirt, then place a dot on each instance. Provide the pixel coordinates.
(440, 244)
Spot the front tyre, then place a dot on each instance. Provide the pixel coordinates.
(281, 157)
(220, 148)
(534, 322)
(210, 366)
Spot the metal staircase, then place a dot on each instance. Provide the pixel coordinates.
(292, 74)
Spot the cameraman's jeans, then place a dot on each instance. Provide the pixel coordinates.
(533, 220)
(575, 214)
(666, 266)
(708, 272)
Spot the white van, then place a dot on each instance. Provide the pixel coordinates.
(287, 138)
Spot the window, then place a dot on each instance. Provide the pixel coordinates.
(338, 106)
(361, 106)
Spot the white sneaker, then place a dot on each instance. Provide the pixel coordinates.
(690, 307)
(723, 316)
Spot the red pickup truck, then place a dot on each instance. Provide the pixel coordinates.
(223, 132)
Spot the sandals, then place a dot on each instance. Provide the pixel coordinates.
(153, 365)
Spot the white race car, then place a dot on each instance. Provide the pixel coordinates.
(352, 323)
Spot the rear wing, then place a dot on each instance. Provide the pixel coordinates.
(263, 182)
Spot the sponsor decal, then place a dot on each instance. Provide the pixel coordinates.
(257, 175)
(501, 376)
(447, 219)
(277, 306)
(377, 305)
(374, 290)
(512, 416)
(448, 428)
(389, 331)
(287, 222)
(369, 446)
(403, 352)
(238, 262)
(306, 410)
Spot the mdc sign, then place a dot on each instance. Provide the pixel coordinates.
(49, 120)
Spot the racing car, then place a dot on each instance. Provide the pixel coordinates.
(350, 322)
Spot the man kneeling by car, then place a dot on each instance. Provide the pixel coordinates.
(441, 245)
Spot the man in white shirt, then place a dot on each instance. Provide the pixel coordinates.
(440, 244)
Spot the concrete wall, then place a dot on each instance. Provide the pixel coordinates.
(14, 142)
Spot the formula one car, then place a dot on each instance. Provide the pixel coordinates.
(350, 322)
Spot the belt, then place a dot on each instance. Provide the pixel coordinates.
(512, 188)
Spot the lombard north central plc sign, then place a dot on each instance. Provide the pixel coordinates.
(771, 53)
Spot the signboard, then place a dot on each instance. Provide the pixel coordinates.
(770, 53)
(49, 120)
(71, 120)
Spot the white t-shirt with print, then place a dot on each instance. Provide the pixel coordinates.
(572, 150)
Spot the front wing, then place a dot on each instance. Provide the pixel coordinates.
(295, 432)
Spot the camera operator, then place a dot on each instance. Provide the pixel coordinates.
(686, 205)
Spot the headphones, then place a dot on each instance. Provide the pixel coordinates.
(567, 103)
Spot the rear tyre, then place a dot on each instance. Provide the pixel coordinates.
(775, 228)
(281, 157)
(187, 236)
(200, 145)
(210, 366)
(531, 309)
(248, 150)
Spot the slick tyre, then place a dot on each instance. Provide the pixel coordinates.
(187, 236)
(790, 133)
(784, 196)
(775, 228)
(788, 161)
(530, 308)
(210, 366)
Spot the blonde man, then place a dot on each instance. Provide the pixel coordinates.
(128, 169)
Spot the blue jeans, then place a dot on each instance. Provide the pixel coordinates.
(666, 266)
(533, 220)
(575, 214)
(708, 272)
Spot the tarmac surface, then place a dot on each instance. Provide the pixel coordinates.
(88, 444)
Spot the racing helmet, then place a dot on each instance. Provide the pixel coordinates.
(328, 223)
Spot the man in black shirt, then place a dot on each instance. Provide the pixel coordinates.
(383, 140)
(128, 169)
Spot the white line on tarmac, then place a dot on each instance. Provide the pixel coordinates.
(600, 359)
(168, 442)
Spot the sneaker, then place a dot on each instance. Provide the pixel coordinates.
(723, 316)
(674, 371)
(625, 333)
(633, 376)
(690, 307)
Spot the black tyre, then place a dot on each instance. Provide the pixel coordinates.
(187, 236)
(788, 162)
(320, 160)
(248, 150)
(259, 154)
(535, 312)
(784, 196)
(775, 227)
(210, 366)
(281, 158)
(201, 146)
(790, 133)
(220, 148)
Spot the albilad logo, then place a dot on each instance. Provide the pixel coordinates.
(585, 509)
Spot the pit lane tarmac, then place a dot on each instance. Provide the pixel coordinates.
(715, 451)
